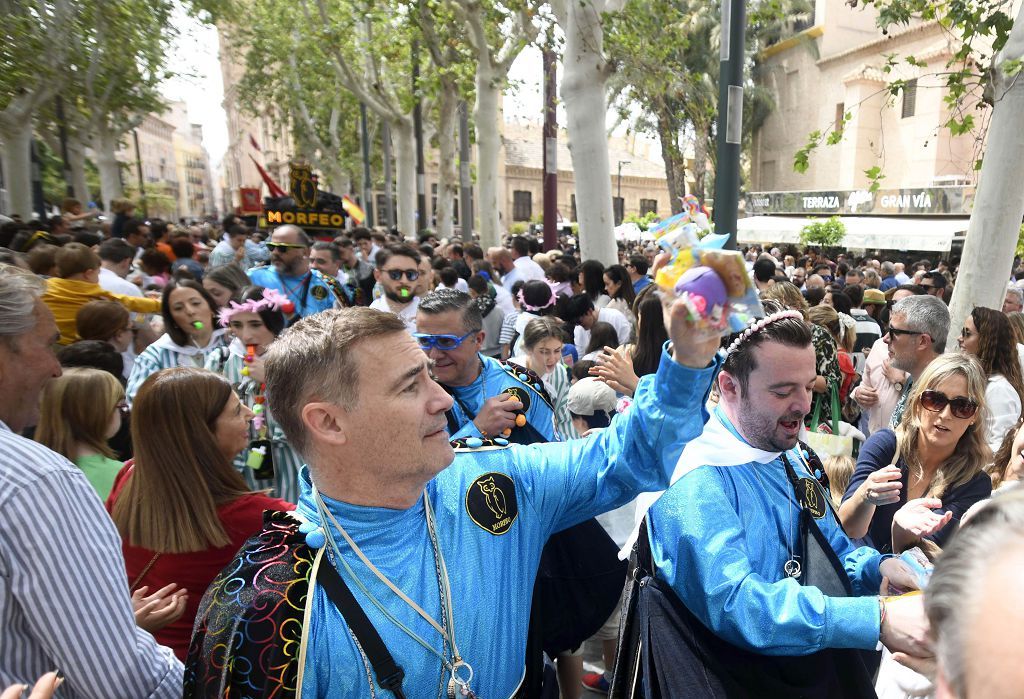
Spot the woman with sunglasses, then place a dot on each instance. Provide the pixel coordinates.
(988, 335)
(79, 411)
(255, 321)
(931, 469)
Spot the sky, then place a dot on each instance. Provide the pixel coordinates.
(200, 85)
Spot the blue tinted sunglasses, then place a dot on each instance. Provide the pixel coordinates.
(441, 342)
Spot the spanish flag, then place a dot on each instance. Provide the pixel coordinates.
(353, 209)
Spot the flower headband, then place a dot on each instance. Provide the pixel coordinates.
(761, 325)
(524, 304)
(273, 300)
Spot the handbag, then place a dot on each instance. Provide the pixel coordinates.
(833, 444)
(666, 651)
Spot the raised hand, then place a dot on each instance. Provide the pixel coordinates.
(616, 370)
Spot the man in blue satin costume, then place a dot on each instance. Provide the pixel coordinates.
(354, 393)
(724, 531)
(487, 394)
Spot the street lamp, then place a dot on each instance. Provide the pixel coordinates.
(619, 195)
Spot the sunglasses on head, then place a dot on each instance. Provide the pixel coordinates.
(396, 274)
(284, 246)
(444, 343)
(936, 401)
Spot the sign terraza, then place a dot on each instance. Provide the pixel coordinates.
(949, 201)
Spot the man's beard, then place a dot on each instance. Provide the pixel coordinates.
(397, 297)
(762, 434)
(289, 269)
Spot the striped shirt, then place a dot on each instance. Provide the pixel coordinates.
(64, 600)
(165, 354)
(287, 462)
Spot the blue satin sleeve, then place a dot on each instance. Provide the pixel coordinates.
(719, 548)
(569, 482)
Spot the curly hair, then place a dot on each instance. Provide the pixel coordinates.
(997, 350)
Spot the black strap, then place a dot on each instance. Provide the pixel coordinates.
(389, 673)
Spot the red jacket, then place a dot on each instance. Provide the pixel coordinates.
(193, 571)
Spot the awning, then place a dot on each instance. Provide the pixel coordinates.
(862, 232)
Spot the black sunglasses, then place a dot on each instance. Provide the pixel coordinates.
(936, 401)
(896, 332)
(284, 246)
(396, 274)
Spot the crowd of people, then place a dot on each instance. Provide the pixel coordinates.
(239, 463)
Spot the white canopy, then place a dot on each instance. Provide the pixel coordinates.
(862, 232)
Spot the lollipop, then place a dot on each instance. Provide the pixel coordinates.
(198, 324)
(250, 357)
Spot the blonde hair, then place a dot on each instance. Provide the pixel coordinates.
(75, 411)
(829, 318)
(787, 294)
(839, 470)
(972, 452)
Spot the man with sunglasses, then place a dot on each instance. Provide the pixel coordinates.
(398, 270)
(918, 326)
(289, 272)
(489, 394)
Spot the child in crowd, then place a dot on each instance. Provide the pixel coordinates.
(77, 283)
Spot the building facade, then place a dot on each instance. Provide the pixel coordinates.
(835, 76)
(251, 139)
(156, 157)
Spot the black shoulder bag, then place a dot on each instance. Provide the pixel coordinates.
(666, 651)
(389, 673)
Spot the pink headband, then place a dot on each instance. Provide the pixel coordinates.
(273, 300)
(761, 325)
(524, 304)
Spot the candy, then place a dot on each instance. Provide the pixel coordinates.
(245, 371)
(257, 408)
(474, 443)
(198, 324)
(520, 420)
(288, 307)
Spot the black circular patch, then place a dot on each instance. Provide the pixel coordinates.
(491, 503)
(520, 394)
(319, 293)
(813, 498)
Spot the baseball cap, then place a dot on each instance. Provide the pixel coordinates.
(589, 396)
(876, 296)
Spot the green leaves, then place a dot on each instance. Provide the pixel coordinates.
(827, 233)
(875, 176)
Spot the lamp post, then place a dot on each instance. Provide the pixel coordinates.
(619, 215)
(730, 118)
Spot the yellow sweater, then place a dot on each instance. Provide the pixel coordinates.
(66, 296)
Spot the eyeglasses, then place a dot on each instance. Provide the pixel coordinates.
(896, 332)
(445, 343)
(396, 274)
(284, 246)
(927, 286)
(937, 401)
